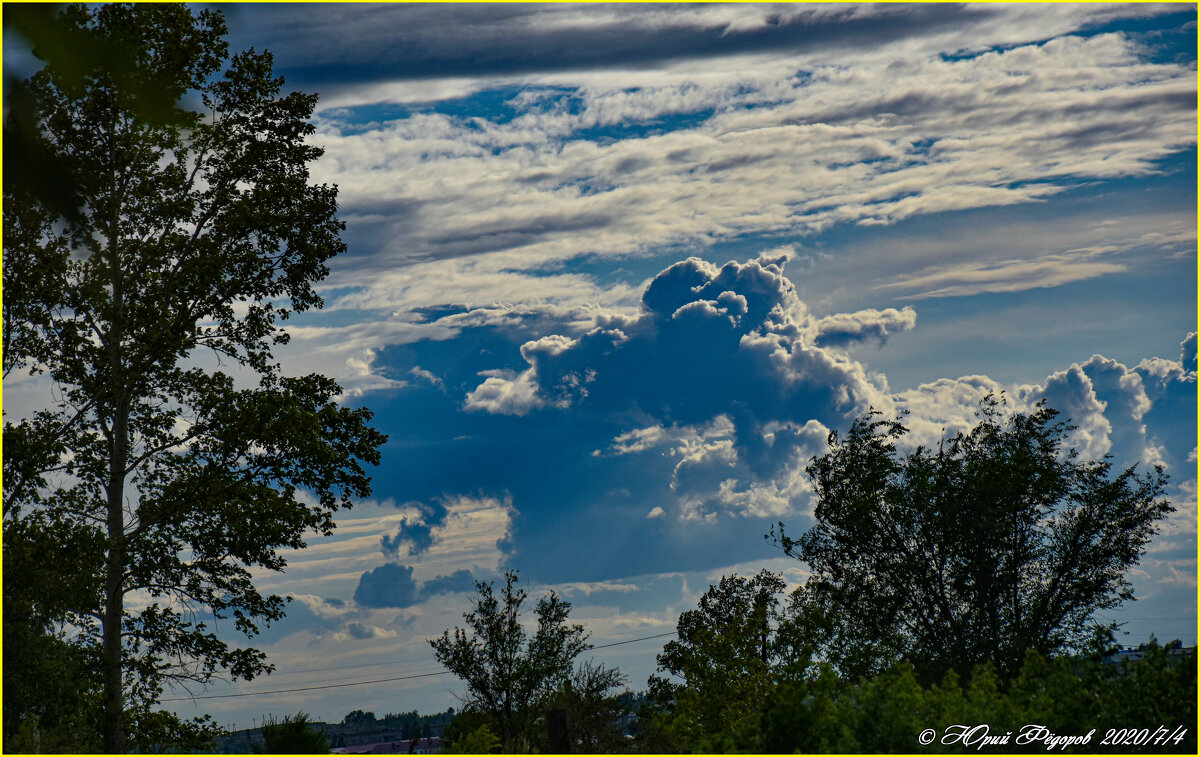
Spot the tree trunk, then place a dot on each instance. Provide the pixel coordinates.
(114, 592)
(558, 738)
(114, 569)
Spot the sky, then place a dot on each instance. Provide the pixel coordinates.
(614, 272)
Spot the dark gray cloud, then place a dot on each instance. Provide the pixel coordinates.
(459, 580)
(417, 537)
(509, 234)
(392, 585)
(416, 533)
(389, 585)
(320, 45)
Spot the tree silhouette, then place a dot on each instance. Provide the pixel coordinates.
(999, 541)
(195, 233)
(510, 675)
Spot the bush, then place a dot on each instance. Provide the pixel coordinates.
(293, 735)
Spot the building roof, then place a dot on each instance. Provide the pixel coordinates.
(403, 746)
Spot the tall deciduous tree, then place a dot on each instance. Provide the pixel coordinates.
(999, 541)
(729, 653)
(196, 232)
(510, 675)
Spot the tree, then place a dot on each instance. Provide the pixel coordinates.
(294, 734)
(470, 732)
(999, 541)
(729, 653)
(596, 709)
(195, 235)
(1069, 695)
(359, 719)
(509, 675)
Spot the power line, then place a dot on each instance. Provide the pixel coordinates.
(306, 688)
(630, 641)
(378, 680)
(356, 665)
(361, 665)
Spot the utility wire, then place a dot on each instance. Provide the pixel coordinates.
(630, 641)
(426, 659)
(347, 667)
(379, 680)
(306, 688)
(255, 694)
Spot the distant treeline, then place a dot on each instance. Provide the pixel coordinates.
(406, 725)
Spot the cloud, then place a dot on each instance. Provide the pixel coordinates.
(1072, 393)
(1003, 276)
(476, 201)
(392, 585)
(636, 440)
(1131, 414)
(424, 375)
(416, 533)
(389, 585)
(416, 537)
(363, 45)
(709, 341)
(723, 361)
(506, 393)
(458, 581)
(352, 45)
(765, 149)
(1187, 353)
(504, 197)
(360, 376)
(864, 325)
(1137, 409)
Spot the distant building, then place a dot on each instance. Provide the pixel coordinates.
(431, 745)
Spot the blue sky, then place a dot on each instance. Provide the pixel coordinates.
(614, 272)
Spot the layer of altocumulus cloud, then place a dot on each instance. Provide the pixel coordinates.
(629, 161)
(438, 48)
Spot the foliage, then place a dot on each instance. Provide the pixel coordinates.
(471, 731)
(52, 692)
(360, 719)
(803, 712)
(194, 235)
(1068, 695)
(52, 687)
(597, 709)
(727, 656)
(479, 741)
(293, 735)
(999, 541)
(509, 675)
